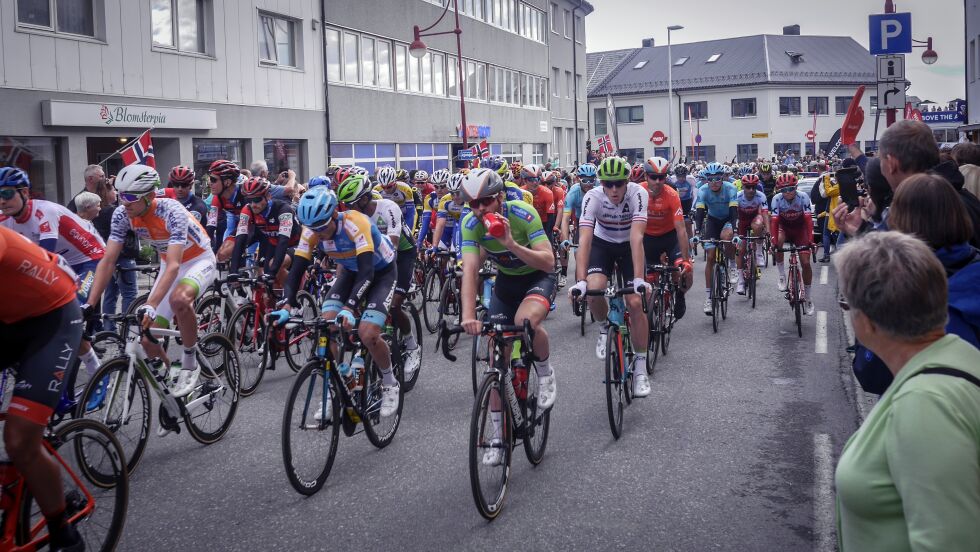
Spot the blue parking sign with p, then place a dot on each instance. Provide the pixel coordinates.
(890, 33)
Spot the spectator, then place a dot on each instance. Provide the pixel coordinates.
(122, 283)
(909, 478)
(952, 174)
(971, 178)
(260, 168)
(824, 203)
(858, 156)
(94, 176)
(966, 153)
(89, 205)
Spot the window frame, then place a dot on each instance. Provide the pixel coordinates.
(98, 23)
(699, 116)
(600, 113)
(745, 115)
(631, 118)
(205, 29)
(837, 99)
(826, 105)
(296, 43)
(798, 103)
(554, 18)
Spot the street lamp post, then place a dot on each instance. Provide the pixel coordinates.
(670, 87)
(418, 50)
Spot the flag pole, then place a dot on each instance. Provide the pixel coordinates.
(128, 144)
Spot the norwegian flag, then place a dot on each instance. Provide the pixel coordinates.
(482, 150)
(605, 144)
(141, 151)
(15, 154)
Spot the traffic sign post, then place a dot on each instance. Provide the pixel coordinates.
(465, 155)
(890, 33)
(891, 94)
(810, 135)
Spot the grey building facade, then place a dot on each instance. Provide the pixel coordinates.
(971, 44)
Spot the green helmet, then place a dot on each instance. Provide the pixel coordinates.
(613, 168)
(353, 188)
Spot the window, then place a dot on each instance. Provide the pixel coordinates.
(662, 152)
(971, 64)
(554, 81)
(581, 89)
(476, 80)
(369, 156)
(76, 17)
(384, 64)
(414, 74)
(681, 61)
(783, 148)
(640, 65)
(532, 25)
(579, 30)
(277, 42)
(368, 71)
(743, 107)
(556, 143)
(747, 152)
(554, 18)
(789, 105)
(426, 65)
(567, 23)
(209, 150)
(179, 24)
(569, 84)
(533, 91)
(505, 86)
(873, 100)
(569, 145)
(629, 114)
(713, 58)
(817, 105)
(537, 153)
(599, 120)
(401, 66)
(633, 155)
(285, 154)
(871, 145)
(697, 110)
(438, 74)
(333, 56)
(701, 153)
(39, 158)
(452, 79)
(841, 103)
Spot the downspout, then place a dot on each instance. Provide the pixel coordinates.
(326, 87)
(575, 79)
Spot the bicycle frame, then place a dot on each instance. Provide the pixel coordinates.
(322, 335)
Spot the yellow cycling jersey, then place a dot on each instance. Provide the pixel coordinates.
(516, 193)
(401, 195)
(449, 209)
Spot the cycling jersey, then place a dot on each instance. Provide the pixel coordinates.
(717, 204)
(791, 213)
(611, 222)
(749, 208)
(573, 201)
(559, 204)
(41, 280)
(55, 228)
(404, 196)
(525, 228)
(543, 201)
(388, 218)
(685, 187)
(274, 229)
(449, 210)
(231, 206)
(354, 235)
(663, 212)
(513, 192)
(164, 223)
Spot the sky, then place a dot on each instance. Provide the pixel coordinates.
(617, 24)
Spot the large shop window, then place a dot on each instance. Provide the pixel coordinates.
(282, 154)
(428, 157)
(209, 150)
(39, 158)
(783, 148)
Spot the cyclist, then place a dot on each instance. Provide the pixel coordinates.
(768, 180)
(187, 265)
(686, 186)
(525, 285)
(792, 221)
(270, 223)
(227, 201)
(717, 200)
(420, 182)
(542, 198)
(402, 194)
(614, 217)
(572, 211)
(366, 272)
(430, 216)
(554, 183)
(753, 219)
(665, 232)
(181, 187)
(57, 230)
(39, 334)
(448, 212)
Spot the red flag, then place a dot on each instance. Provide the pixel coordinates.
(605, 144)
(15, 154)
(853, 120)
(141, 151)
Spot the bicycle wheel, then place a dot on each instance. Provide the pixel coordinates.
(615, 392)
(489, 482)
(655, 320)
(211, 407)
(248, 337)
(138, 302)
(380, 430)
(715, 297)
(536, 425)
(430, 300)
(449, 307)
(666, 325)
(796, 297)
(309, 446)
(416, 324)
(724, 291)
(479, 359)
(211, 317)
(753, 277)
(95, 483)
(108, 345)
(121, 393)
(299, 340)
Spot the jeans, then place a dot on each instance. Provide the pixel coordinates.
(826, 236)
(121, 283)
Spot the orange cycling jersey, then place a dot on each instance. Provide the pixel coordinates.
(559, 203)
(663, 212)
(166, 222)
(42, 280)
(543, 201)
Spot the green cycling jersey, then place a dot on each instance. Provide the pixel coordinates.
(525, 227)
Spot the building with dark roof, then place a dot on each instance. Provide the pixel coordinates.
(749, 97)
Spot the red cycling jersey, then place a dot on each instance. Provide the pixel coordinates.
(41, 280)
(544, 201)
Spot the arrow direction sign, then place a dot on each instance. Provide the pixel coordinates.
(891, 95)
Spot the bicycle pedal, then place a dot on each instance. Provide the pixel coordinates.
(346, 423)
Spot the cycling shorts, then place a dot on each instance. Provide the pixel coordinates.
(745, 225)
(199, 272)
(712, 230)
(376, 300)
(406, 267)
(604, 255)
(655, 246)
(686, 205)
(798, 235)
(86, 276)
(42, 352)
(509, 291)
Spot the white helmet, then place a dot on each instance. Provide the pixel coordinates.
(355, 169)
(137, 180)
(456, 182)
(386, 175)
(420, 176)
(439, 177)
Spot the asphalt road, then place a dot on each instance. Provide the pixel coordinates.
(733, 450)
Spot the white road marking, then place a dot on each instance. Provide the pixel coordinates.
(821, 347)
(824, 272)
(824, 524)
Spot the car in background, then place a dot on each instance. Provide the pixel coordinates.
(808, 185)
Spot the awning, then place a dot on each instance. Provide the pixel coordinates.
(968, 128)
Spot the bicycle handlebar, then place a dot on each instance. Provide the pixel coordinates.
(445, 332)
(627, 290)
(143, 269)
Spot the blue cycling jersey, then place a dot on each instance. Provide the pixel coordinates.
(717, 204)
(573, 201)
(684, 186)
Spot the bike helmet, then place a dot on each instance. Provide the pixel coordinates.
(354, 188)
(341, 175)
(785, 180)
(332, 169)
(319, 181)
(497, 163)
(586, 170)
(421, 177)
(550, 178)
(12, 177)
(636, 173)
(657, 165)
(746, 170)
(439, 177)
(714, 169)
(531, 171)
(750, 180)
(456, 181)
(255, 187)
(680, 171)
(386, 175)
(181, 175)
(355, 169)
(401, 175)
(612, 169)
(137, 180)
(515, 169)
(316, 207)
(223, 169)
(481, 183)
(765, 167)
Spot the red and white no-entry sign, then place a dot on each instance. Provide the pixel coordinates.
(658, 138)
(810, 135)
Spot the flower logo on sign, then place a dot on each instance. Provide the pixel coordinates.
(104, 114)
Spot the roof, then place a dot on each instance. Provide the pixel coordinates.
(744, 61)
(598, 65)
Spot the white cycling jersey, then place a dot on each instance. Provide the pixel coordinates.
(43, 220)
(611, 222)
(388, 218)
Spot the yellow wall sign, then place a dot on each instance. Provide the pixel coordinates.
(760, 134)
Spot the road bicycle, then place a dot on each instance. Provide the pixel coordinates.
(751, 273)
(721, 284)
(482, 349)
(324, 399)
(216, 306)
(124, 404)
(516, 405)
(660, 311)
(580, 307)
(438, 268)
(619, 353)
(795, 290)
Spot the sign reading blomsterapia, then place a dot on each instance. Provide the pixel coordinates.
(85, 114)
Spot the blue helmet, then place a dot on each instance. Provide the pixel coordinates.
(497, 164)
(319, 181)
(714, 169)
(316, 207)
(586, 170)
(745, 171)
(13, 177)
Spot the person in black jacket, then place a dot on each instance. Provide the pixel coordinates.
(122, 282)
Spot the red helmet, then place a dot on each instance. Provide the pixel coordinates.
(637, 173)
(181, 175)
(785, 180)
(255, 187)
(224, 169)
(341, 175)
(750, 179)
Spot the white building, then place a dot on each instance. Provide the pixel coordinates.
(971, 43)
(749, 96)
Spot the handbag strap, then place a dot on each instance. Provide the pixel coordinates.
(951, 372)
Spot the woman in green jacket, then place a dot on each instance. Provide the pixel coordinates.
(909, 478)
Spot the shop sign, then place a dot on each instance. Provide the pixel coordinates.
(474, 131)
(760, 134)
(95, 114)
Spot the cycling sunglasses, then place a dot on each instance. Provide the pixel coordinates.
(7, 194)
(614, 183)
(131, 198)
(532, 179)
(482, 202)
(181, 185)
(212, 178)
(656, 176)
(587, 180)
(714, 179)
(255, 199)
(789, 189)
